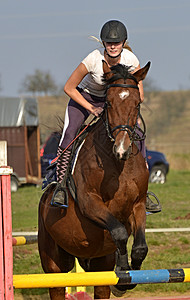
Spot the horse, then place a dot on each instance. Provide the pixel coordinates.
(111, 179)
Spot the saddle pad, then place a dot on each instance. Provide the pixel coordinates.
(76, 157)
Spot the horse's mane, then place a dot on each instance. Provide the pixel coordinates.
(120, 71)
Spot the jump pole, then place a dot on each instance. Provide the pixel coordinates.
(101, 278)
(6, 251)
(23, 240)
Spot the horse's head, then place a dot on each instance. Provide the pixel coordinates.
(123, 106)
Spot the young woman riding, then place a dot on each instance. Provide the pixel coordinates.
(87, 91)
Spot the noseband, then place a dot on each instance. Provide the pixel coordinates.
(131, 131)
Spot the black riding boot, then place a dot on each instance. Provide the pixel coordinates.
(60, 195)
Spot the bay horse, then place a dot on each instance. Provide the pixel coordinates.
(111, 178)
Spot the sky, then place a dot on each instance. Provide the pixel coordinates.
(54, 36)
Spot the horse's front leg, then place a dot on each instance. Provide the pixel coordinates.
(94, 208)
(139, 248)
(98, 212)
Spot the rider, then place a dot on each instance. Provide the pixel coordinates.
(87, 92)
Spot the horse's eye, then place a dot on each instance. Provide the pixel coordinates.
(124, 94)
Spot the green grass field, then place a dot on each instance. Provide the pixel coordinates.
(166, 250)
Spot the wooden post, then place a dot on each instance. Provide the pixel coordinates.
(38, 153)
(1, 250)
(6, 250)
(3, 153)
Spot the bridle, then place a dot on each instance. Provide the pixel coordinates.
(131, 131)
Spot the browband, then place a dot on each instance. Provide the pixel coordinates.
(122, 85)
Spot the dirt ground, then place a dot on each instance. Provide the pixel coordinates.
(32, 297)
(137, 297)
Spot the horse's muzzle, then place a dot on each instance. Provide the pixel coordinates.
(122, 154)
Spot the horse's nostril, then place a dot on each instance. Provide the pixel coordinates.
(122, 155)
(115, 152)
(114, 149)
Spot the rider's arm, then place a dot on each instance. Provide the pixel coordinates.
(140, 85)
(70, 89)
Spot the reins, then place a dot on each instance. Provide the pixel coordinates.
(56, 158)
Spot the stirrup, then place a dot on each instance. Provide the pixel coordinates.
(153, 207)
(60, 197)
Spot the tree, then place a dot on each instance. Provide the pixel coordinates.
(40, 82)
(49, 84)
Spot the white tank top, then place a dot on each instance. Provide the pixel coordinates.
(92, 82)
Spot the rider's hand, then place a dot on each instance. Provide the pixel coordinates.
(96, 111)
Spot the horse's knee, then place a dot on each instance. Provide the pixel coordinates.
(139, 249)
(119, 235)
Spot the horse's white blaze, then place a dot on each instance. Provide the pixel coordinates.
(123, 95)
(120, 149)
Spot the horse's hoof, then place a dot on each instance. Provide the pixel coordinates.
(116, 292)
(120, 290)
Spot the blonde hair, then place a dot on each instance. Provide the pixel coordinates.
(125, 46)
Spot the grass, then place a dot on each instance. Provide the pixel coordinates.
(166, 250)
(25, 208)
(174, 195)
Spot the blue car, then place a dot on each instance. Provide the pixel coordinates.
(158, 166)
(157, 163)
(49, 151)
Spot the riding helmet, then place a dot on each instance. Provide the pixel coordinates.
(113, 31)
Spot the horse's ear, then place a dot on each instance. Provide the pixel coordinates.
(141, 74)
(107, 70)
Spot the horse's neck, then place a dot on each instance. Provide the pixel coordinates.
(103, 147)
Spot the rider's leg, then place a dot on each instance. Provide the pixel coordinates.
(62, 163)
(74, 117)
